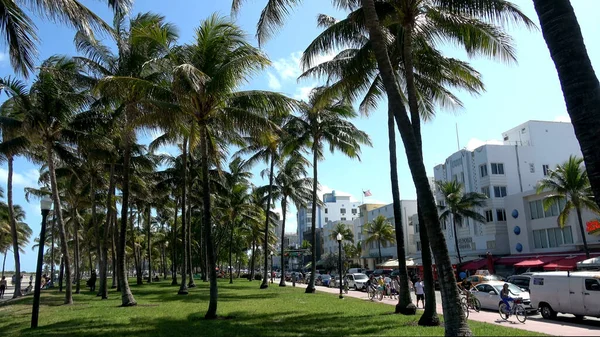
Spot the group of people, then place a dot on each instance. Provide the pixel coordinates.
(391, 287)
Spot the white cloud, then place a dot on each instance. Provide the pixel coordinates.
(475, 143)
(302, 93)
(27, 178)
(2, 57)
(326, 189)
(563, 118)
(288, 68)
(273, 82)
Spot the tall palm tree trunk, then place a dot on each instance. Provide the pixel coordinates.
(4, 262)
(265, 281)
(61, 224)
(252, 261)
(430, 316)
(149, 245)
(77, 252)
(230, 253)
(379, 247)
(191, 283)
(61, 274)
(183, 290)
(96, 225)
(137, 251)
(283, 210)
(454, 317)
(174, 244)
(456, 239)
(127, 298)
(13, 228)
(582, 231)
(313, 226)
(405, 305)
(210, 252)
(578, 80)
(52, 227)
(115, 235)
(104, 242)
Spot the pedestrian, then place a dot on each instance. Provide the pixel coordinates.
(92, 281)
(2, 286)
(419, 291)
(293, 279)
(30, 279)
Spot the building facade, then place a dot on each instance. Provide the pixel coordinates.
(528, 152)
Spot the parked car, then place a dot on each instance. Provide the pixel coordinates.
(356, 270)
(323, 280)
(522, 281)
(357, 281)
(382, 272)
(488, 293)
(476, 279)
(576, 293)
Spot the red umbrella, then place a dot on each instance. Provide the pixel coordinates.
(490, 263)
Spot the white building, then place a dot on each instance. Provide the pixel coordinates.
(371, 251)
(529, 150)
(330, 245)
(531, 229)
(336, 208)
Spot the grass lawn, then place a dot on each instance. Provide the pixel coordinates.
(248, 311)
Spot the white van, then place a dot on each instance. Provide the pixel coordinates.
(576, 293)
(356, 270)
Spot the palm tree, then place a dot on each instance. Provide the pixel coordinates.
(570, 182)
(291, 183)
(459, 206)
(578, 80)
(24, 232)
(379, 231)
(343, 229)
(324, 120)
(20, 31)
(207, 76)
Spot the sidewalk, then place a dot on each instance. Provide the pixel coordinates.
(554, 328)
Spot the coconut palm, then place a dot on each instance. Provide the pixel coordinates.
(20, 31)
(343, 229)
(570, 182)
(379, 231)
(207, 77)
(291, 183)
(578, 80)
(459, 206)
(325, 120)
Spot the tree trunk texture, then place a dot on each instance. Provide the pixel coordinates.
(579, 83)
(115, 236)
(430, 316)
(454, 317)
(127, 298)
(61, 274)
(210, 252)
(582, 231)
(405, 305)
(313, 226)
(191, 283)
(174, 245)
(456, 240)
(265, 281)
(183, 290)
(104, 242)
(13, 228)
(149, 220)
(77, 252)
(230, 253)
(61, 224)
(96, 225)
(252, 261)
(283, 210)
(137, 251)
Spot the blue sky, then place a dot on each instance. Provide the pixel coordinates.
(515, 93)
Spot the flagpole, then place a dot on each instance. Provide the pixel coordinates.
(362, 197)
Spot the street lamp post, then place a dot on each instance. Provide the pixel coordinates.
(46, 204)
(339, 240)
(271, 267)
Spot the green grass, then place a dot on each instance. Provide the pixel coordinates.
(245, 310)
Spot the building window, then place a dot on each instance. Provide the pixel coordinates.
(483, 170)
(546, 169)
(343, 219)
(489, 216)
(354, 211)
(490, 244)
(485, 191)
(418, 246)
(343, 210)
(497, 168)
(501, 214)
(531, 167)
(499, 191)
(539, 238)
(537, 209)
(325, 210)
(552, 210)
(567, 235)
(417, 228)
(326, 219)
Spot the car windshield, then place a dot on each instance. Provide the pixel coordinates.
(492, 278)
(513, 288)
(361, 277)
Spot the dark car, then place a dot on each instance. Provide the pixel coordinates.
(521, 281)
(382, 272)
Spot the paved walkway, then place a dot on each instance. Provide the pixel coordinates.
(559, 327)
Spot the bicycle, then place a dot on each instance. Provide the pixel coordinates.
(374, 292)
(472, 302)
(516, 309)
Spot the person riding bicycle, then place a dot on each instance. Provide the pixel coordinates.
(466, 287)
(505, 296)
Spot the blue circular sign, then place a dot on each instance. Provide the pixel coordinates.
(519, 247)
(515, 213)
(517, 230)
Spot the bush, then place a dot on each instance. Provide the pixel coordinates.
(258, 277)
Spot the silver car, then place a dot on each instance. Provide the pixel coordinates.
(488, 293)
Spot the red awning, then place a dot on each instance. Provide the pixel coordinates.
(474, 265)
(510, 260)
(567, 263)
(537, 261)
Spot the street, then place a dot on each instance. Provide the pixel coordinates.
(563, 325)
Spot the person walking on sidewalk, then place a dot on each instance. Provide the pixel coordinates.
(2, 286)
(419, 291)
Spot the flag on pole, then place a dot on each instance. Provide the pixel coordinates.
(367, 193)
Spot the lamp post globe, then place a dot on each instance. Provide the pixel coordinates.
(339, 240)
(45, 205)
